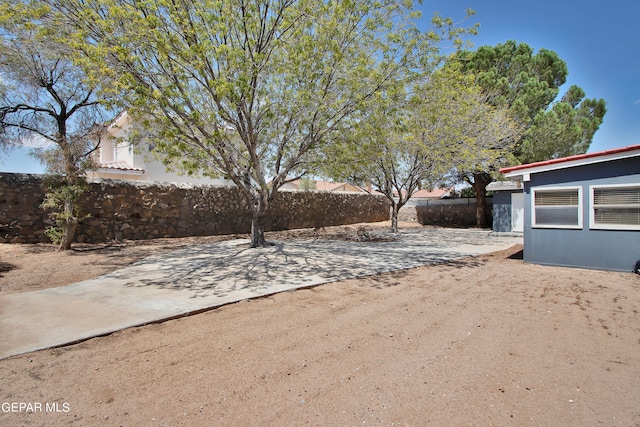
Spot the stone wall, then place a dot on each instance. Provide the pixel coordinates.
(131, 210)
(443, 212)
(21, 218)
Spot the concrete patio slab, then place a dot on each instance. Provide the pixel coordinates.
(207, 276)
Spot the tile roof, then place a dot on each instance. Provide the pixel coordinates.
(123, 166)
(436, 193)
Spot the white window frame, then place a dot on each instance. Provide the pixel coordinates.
(535, 190)
(592, 208)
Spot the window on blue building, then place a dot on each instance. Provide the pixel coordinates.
(615, 207)
(557, 207)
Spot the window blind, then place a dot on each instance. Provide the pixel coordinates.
(557, 208)
(618, 206)
(616, 196)
(617, 216)
(557, 198)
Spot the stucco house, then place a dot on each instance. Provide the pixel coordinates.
(582, 211)
(117, 158)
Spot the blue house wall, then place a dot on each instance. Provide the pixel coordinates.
(588, 248)
(502, 210)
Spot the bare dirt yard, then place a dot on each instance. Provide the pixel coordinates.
(487, 340)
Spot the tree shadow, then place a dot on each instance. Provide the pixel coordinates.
(106, 248)
(40, 248)
(384, 280)
(228, 268)
(469, 262)
(6, 266)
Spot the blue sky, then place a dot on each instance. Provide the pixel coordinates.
(599, 41)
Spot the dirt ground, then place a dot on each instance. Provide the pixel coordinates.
(487, 340)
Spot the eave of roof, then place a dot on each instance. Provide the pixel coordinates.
(504, 186)
(572, 161)
(119, 167)
(120, 120)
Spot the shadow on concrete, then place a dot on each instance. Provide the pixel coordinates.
(221, 269)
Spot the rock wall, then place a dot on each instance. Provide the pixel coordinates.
(131, 210)
(443, 212)
(21, 217)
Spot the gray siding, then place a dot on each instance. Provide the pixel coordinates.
(598, 249)
(502, 210)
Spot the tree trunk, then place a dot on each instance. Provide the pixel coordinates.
(257, 232)
(70, 203)
(480, 182)
(394, 217)
(259, 211)
(68, 236)
(70, 226)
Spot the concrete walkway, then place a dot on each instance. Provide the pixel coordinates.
(202, 277)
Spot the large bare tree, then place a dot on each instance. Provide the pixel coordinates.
(45, 97)
(249, 90)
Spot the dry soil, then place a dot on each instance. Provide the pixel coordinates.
(488, 340)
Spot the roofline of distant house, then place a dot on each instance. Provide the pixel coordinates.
(119, 170)
(571, 161)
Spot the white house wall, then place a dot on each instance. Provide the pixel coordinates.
(139, 159)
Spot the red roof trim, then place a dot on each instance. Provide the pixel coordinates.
(572, 158)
